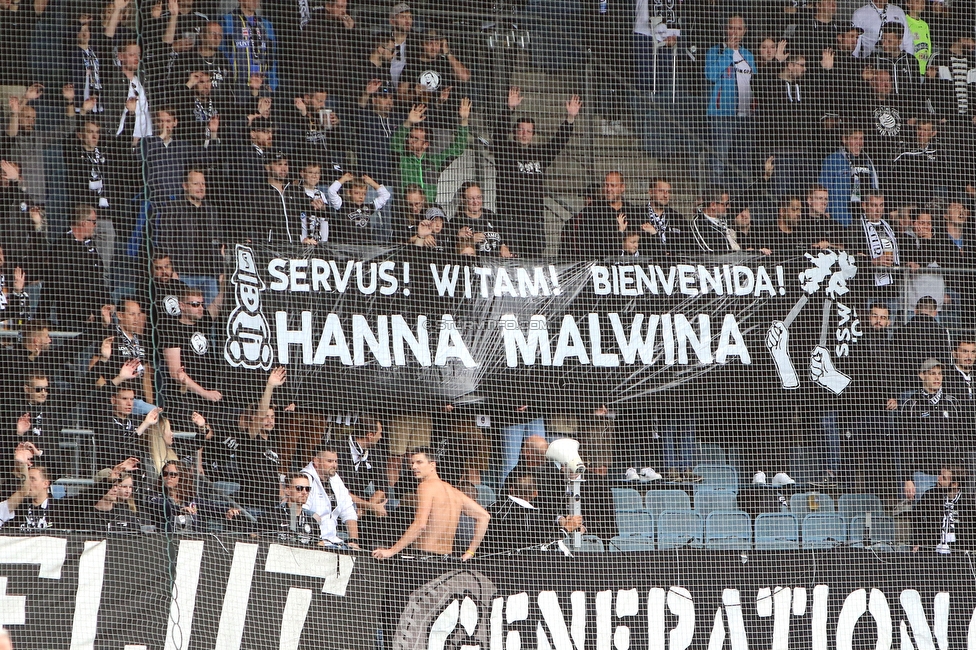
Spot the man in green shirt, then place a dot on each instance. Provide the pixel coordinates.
(919, 31)
(410, 143)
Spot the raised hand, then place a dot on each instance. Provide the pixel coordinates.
(23, 424)
(573, 106)
(465, 111)
(33, 92)
(300, 105)
(19, 279)
(277, 377)
(11, 171)
(622, 222)
(374, 85)
(105, 350)
(152, 417)
(129, 370)
(417, 114)
(827, 59)
(514, 97)
(25, 453)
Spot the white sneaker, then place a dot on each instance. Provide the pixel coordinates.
(648, 474)
(631, 474)
(759, 478)
(782, 478)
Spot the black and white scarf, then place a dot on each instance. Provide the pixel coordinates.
(877, 248)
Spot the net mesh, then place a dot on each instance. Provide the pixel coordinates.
(637, 309)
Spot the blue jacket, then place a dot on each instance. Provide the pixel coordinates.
(247, 53)
(838, 177)
(724, 101)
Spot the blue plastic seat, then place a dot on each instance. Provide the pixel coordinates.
(853, 505)
(881, 530)
(823, 531)
(800, 504)
(657, 501)
(678, 528)
(717, 477)
(627, 499)
(591, 544)
(728, 530)
(777, 531)
(635, 521)
(631, 542)
(708, 500)
(486, 496)
(711, 454)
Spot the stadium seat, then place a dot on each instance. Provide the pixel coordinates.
(627, 499)
(728, 530)
(712, 454)
(486, 496)
(852, 505)
(591, 544)
(823, 531)
(717, 477)
(657, 501)
(631, 542)
(811, 503)
(635, 521)
(677, 528)
(708, 500)
(777, 531)
(880, 531)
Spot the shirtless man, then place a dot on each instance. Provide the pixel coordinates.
(439, 506)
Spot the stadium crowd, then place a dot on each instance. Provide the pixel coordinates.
(176, 129)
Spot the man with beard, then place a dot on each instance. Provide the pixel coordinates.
(871, 405)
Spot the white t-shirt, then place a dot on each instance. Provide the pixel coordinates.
(743, 81)
(329, 514)
(870, 19)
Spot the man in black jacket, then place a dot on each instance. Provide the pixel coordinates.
(712, 233)
(942, 517)
(931, 431)
(603, 223)
(186, 229)
(871, 405)
(521, 167)
(74, 282)
(278, 206)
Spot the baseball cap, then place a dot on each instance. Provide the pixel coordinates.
(434, 213)
(930, 363)
(399, 9)
(276, 155)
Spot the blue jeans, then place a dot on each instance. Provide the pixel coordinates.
(512, 438)
(679, 444)
(733, 143)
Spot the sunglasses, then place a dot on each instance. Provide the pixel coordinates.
(302, 488)
(195, 303)
(40, 389)
(171, 474)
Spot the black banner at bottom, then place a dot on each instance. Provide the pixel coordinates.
(228, 593)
